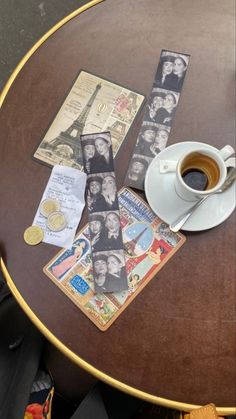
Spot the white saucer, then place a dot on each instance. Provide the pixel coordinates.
(162, 198)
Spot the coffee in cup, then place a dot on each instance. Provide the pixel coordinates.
(200, 171)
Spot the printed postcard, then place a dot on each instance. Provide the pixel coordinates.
(148, 245)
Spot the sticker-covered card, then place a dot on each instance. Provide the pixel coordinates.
(93, 104)
(148, 245)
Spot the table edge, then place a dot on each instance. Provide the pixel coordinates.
(172, 404)
(29, 312)
(44, 38)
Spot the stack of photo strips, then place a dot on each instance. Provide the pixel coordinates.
(159, 115)
(125, 244)
(104, 218)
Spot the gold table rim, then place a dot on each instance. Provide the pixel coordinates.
(186, 407)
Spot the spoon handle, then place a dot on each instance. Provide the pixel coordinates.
(230, 178)
(180, 221)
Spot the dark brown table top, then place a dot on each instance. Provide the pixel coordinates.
(177, 339)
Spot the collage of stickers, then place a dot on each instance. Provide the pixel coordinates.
(148, 245)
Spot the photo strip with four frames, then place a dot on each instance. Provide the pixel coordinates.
(104, 219)
(158, 116)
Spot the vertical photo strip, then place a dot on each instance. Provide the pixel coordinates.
(104, 218)
(158, 116)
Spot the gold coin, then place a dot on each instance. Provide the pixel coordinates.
(33, 235)
(56, 221)
(48, 206)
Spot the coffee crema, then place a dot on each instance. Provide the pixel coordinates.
(200, 172)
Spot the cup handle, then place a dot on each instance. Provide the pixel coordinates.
(227, 151)
(230, 162)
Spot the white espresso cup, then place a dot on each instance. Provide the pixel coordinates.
(202, 172)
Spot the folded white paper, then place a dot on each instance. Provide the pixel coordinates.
(167, 166)
(66, 185)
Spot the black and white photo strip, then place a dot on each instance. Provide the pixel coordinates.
(158, 115)
(137, 169)
(171, 70)
(105, 231)
(97, 152)
(104, 218)
(152, 139)
(161, 106)
(102, 192)
(109, 271)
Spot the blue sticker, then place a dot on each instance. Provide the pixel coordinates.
(79, 284)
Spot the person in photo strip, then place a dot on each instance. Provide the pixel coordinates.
(136, 172)
(145, 141)
(152, 140)
(178, 73)
(105, 231)
(156, 104)
(103, 159)
(109, 273)
(164, 112)
(116, 272)
(88, 154)
(160, 141)
(102, 192)
(95, 200)
(112, 236)
(109, 193)
(171, 72)
(100, 273)
(164, 71)
(96, 226)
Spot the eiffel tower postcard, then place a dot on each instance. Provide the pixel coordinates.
(92, 105)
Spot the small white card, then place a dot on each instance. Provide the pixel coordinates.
(67, 186)
(167, 166)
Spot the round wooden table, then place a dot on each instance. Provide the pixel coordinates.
(175, 343)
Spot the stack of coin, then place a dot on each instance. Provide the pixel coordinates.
(56, 220)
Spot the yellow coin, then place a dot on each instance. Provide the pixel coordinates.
(56, 221)
(33, 235)
(48, 206)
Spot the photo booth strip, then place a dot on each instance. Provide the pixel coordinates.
(158, 116)
(107, 250)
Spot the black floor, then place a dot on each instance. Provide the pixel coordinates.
(22, 23)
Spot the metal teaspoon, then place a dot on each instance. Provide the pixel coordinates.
(180, 221)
